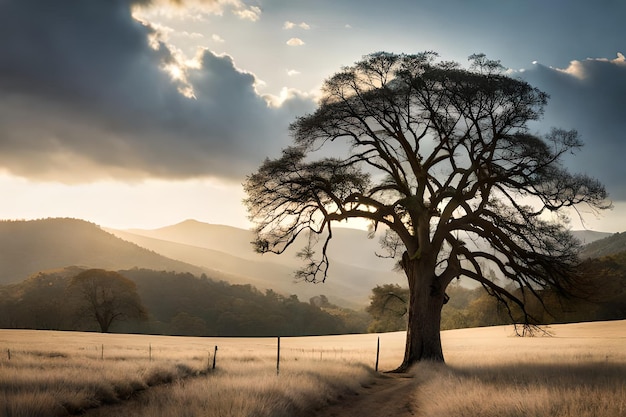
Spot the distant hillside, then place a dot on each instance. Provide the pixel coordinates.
(589, 236)
(27, 247)
(227, 239)
(222, 252)
(348, 246)
(611, 245)
(355, 269)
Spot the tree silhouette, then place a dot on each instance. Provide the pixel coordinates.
(106, 296)
(443, 158)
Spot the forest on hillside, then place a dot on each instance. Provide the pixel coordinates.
(177, 304)
(185, 304)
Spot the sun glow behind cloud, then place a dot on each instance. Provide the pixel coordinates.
(578, 68)
(196, 9)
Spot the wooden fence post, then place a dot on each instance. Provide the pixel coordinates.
(377, 352)
(278, 357)
(150, 351)
(9, 353)
(214, 355)
(102, 352)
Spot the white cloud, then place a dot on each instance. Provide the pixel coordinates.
(295, 42)
(191, 35)
(292, 72)
(299, 102)
(291, 25)
(253, 13)
(217, 38)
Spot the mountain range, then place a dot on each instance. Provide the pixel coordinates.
(355, 268)
(27, 247)
(220, 252)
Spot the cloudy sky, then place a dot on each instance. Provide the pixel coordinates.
(138, 113)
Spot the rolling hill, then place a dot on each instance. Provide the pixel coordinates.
(27, 247)
(608, 245)
(221, 252)
(355, 268)
(348, 246)
(589, 236)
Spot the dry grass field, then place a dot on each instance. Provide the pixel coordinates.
(61, 373)
(579, 371)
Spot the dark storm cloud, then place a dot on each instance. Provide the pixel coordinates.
(83, 95)
(589, 96)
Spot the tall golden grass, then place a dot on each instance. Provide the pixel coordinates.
(579, 371)
(61, 373)
(58, 373)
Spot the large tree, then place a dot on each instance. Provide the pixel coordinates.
(106, 297)
(443, 158)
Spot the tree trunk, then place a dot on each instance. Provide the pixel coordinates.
(103, 321)
(423, 338)
(104, 325)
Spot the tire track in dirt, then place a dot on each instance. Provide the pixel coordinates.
(389, 395)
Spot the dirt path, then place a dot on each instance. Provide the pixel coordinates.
(389, 395)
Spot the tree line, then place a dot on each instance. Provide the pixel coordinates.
(162, 302)
(165, 302)
(600, 295)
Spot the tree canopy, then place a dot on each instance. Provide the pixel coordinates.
(443, 158)
(106, 297)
